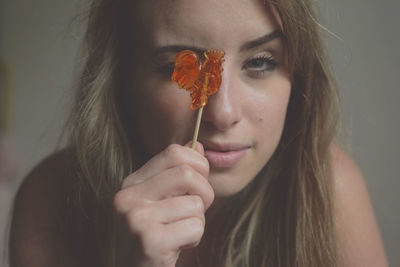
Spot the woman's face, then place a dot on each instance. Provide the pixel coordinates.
(243, 122)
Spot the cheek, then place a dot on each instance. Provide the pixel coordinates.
(169, 104)
(162, 114)
(268, 112)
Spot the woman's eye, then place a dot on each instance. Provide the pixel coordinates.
(257, 67)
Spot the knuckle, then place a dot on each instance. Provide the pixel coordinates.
(125, 199)
(174, 152)
(197, 203)
(197, 226)
(187, 172)
(206, 168)
(120, 200)
(136, 220)
(210, 196)
(117, 201)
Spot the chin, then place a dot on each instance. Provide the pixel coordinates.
(226, 184)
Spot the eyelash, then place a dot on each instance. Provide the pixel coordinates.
(256, 72)
(271, 63)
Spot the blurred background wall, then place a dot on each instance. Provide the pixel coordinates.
(39, 42)
(367, 66)
(38, 54)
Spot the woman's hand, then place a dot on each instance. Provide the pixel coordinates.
(163, 203)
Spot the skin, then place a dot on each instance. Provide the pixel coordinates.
(163, 203)
(250, 106)
(249, 110)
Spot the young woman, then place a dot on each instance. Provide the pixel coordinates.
(266, 184)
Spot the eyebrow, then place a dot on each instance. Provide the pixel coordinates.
(262, 40)
(177, 48)
(246, 46)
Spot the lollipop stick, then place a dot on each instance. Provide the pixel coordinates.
(200, 113)
(196, 131)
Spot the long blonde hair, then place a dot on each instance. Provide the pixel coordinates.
(284, 217)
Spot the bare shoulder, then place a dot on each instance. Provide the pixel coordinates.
(37, 236)
(359, 240)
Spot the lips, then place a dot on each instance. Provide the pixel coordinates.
(224, 155)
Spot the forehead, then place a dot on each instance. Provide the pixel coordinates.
(219, 24)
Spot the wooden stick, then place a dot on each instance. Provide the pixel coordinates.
(196, 131)
(200, 113)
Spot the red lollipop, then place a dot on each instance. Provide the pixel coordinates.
(201, 79)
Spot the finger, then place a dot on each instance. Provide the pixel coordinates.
(199, 147)
(185, 233)
(178, 181)
(176, 208)
(170, 157)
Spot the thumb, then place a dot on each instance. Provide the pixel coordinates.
(199, 147)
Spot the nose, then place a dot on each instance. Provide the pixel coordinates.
(223, 110)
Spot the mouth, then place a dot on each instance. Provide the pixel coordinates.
(224, 155)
